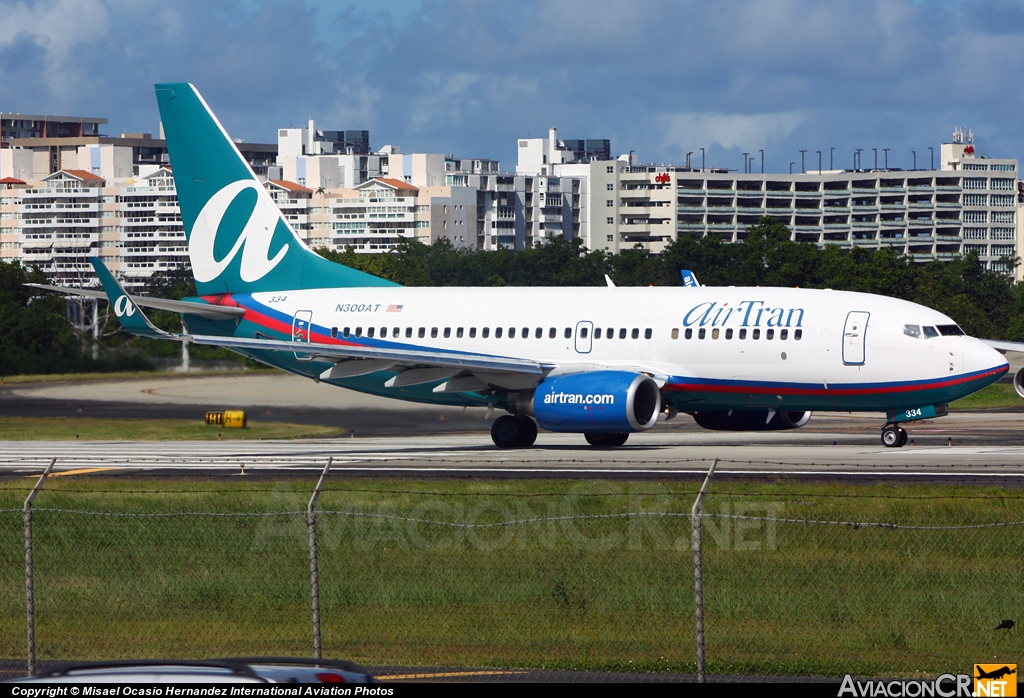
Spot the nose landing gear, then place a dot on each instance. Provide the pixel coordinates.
(893, 436)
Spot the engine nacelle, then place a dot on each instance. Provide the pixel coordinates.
(1018, 381)
(750, 420)
(611, 402)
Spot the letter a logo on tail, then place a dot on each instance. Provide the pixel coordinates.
(254, 241)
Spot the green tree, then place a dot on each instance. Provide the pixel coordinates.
(35, 335)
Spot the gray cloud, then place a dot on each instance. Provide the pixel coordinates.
(471, 76)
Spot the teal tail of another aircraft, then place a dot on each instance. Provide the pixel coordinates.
(238, 241)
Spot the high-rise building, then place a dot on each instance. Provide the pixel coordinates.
(968, 205)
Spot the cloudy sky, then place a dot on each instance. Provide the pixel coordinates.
(469, 77)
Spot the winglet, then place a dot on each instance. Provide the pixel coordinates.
(688, 278)
(128, 312)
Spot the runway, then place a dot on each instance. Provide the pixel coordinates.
(649, 455)
(413, 440)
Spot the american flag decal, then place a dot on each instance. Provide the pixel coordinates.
(394, 308)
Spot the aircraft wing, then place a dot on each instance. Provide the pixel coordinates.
(451, 363)
(213, 312)
(342, 352)
(1004, 347)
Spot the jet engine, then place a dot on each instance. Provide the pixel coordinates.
(612, 402)
(750, 420)
(1018, 381)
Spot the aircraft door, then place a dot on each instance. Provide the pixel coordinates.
(584, 336)
(854, 337)
(302, 323)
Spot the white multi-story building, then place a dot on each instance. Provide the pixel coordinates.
(969, 205)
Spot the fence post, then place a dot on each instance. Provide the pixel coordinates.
(698, 577)
(314, 579)
(30, 599)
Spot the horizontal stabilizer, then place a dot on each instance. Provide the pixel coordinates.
(211, 312)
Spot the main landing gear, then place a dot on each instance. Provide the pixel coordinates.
(893, 436)
(510, 431)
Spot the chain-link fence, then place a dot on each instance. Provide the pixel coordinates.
(593, 577)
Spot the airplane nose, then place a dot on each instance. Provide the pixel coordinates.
(979, 356)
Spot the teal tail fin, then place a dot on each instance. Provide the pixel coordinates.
(238, 241)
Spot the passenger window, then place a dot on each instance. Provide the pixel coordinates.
(345, 332)
(689, 333)
(930, 332)
(714, 333)
(408, 332)
(728, 333)
(552, 333)
(568, 333)
(423, 332)
(433, 333)
(647, 333)
(636, 333)
(622, 333)
(538, 333)
(756, 334)
(359, 332)
(334, 333)
(743, 333)
(472, 333)
(769, 334)
(458, 333)
(783, 334)
(597, 333)
(370, 331)
(511, 332)
(609, 333)
(383, 332)
(497, 333)
(912, 331)
(675, 333)
(447, 332)
(798, 334)
(486, 332)
(701, 333)
(583, 333)
(526, 333)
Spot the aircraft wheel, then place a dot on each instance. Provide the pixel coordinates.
(527, 431)
(605, 440)
(891, 436)
(903, 437)
(505, 432)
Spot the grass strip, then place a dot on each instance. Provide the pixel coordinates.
(100, 429)
(594, 574)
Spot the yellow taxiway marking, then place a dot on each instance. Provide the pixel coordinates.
(446, 675)
(80, 471)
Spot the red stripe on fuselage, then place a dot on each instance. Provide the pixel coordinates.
(267, 322)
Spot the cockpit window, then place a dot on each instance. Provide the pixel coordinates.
(912, 330)
(950, 330)
(930, 332)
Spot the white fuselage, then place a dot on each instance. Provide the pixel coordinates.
(738, 336)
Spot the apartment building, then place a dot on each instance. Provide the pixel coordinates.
(969, 205)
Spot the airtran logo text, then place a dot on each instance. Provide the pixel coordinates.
(253, 242)
(743, 314)
(578, 399)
